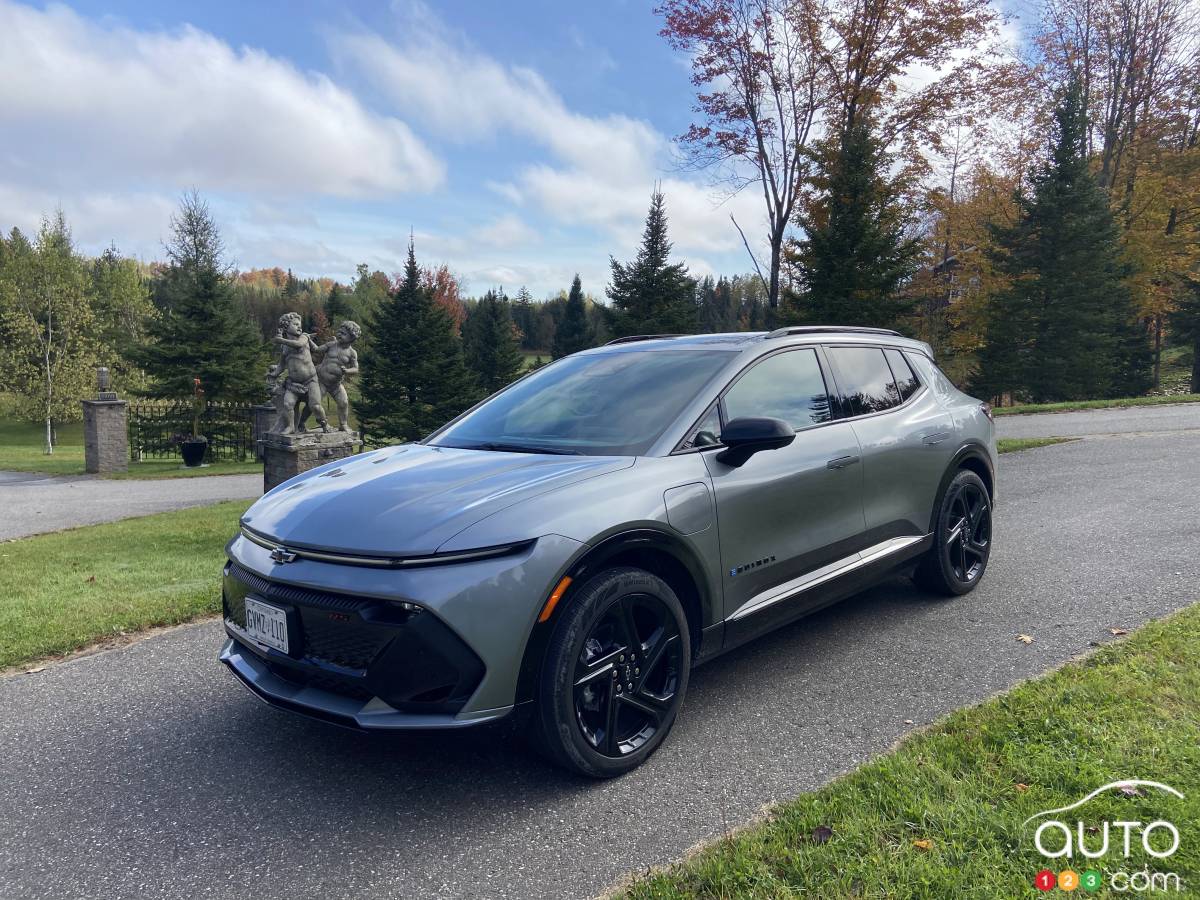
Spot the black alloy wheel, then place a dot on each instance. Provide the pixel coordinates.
(962, 539)
(615, 674)
(968, 532)
(627, 675)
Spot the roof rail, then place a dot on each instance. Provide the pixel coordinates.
(641, 337)
(830, 329)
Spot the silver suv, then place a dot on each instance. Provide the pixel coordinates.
(571, 547)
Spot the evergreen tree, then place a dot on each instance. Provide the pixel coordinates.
(338, 306)
(524, 315)
(1066, 328)
(414, 377)
(651, 295)
(200, 332)
(574, 333)
(854, 258)
(490, 340)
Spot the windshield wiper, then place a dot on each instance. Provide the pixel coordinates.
(525, 448)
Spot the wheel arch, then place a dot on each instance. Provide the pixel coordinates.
(657, 551)
(971, 456)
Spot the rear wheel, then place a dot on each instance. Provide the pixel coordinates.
(962, 539)
(615, 675)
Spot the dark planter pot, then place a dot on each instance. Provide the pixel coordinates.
(193, 452)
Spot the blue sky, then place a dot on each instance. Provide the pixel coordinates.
(518, 141)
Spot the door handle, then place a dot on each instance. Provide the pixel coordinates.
(841, 462)
(936, 438)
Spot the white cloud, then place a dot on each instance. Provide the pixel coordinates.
(87, 104)
(506, 231)
(601, 168)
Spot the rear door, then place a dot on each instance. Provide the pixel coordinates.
(905, 436)
(786, 512)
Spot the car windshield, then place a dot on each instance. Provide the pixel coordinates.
(604, 404)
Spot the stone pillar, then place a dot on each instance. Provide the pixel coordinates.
(105, 436)
(264, 418)
(287, 455)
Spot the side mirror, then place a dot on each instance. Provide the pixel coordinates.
(746, 436)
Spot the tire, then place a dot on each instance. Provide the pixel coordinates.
(608, 699)
(962, 539)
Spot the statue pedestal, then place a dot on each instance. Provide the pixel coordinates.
(287, 455)
(264, 418)
(105, 436)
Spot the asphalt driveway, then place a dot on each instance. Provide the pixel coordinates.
(31, 503)
(147, 772)
(1126, 420)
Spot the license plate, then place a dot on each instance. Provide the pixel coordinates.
(267, 624)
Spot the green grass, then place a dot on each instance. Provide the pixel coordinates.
(1072, 405)
(21, 450)
(69, 589)
(1131, 710)
(1011, 445)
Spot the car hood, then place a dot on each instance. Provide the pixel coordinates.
(411, 499)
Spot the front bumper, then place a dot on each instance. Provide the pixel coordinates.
(339, 708)
(432, 647)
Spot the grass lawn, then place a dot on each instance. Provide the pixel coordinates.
(1009, 445)
(941, 815)
(21, 450)
(69, 589)
(1072, 405)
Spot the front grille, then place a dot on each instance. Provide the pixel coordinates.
(332, 624)
(363, 647)
(350, 644)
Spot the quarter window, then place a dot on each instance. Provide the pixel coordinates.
(786, 386)
(906, 380)
(864, 379)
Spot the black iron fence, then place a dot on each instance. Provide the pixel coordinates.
(157, 427)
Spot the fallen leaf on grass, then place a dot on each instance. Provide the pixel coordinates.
(1118, 631)
(34, 670)
(923, 844)
(1130, 790)
(1025, 638)
(821, 834)
(1022, 788)
(91, 579)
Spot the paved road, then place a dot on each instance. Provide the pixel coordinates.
(147, 772)
(32, 503)
(1132, 419)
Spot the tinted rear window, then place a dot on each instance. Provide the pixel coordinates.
(906, 380)
(864, 379)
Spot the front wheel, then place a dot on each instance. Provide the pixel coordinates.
(962, 539)
(615, 674)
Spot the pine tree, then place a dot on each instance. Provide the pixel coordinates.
(490, 341)
(651, 295)
(1066, 328)
(854, 258)
(414, 377)
(200, 331)
(574, 333)
(337, 306)
(524, 315)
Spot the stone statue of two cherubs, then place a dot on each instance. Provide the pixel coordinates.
(308, 381)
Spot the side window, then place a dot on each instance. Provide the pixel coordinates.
(786, 386)
(707, 432)
(906, 380)
(864, 379)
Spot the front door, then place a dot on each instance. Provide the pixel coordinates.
(789, 512)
